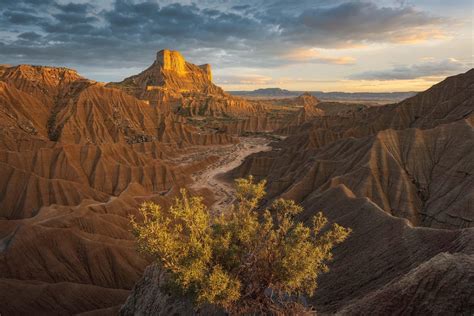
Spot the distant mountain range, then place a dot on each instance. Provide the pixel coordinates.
(279, 93)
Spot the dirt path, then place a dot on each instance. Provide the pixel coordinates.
(231, 157)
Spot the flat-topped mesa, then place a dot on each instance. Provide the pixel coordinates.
(170, 74)
(173, 61)
(170, 60)
(172, 83)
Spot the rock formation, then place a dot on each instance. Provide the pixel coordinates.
(76, 159)
(170, 73)
(172, 84)
(150, 297)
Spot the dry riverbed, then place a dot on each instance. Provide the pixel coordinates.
(230, 157)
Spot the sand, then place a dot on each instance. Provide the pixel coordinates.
(232, 156)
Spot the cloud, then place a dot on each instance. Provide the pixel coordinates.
(242, 7)
(271, 33)
(29, 36)
(426, 68)
(314, 56)
(353, 22)
(21, 18)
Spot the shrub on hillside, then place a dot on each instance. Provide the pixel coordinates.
(243, 260)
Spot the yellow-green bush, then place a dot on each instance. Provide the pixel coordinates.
(244, 260)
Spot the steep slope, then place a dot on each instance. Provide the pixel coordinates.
(385, 267)
(450, 276)
(401, 177)
(32, 95)
(283, 115)
(76, 159)
(384, 251)
(424, 175)
(448, 101)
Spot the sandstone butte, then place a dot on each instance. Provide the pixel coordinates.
(78, 156)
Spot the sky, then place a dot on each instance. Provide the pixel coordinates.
(313, 45)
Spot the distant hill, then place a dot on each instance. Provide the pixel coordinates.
(343, 96)
(267, 92)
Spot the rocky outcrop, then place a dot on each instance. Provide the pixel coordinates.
(207, 70)
(306, 99)
(442, 284)
(171, 74)
(150, 296)
(172, 84)
(171, 61)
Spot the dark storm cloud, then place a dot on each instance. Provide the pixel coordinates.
(236, 33)
(347, 23)
(78, 8)
(358, 21)
(180, 22)
(20, 3)
(424, 69)
(29, 36)
(21, 18)
(242, 7)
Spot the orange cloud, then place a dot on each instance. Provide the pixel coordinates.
(314, 56)
(415, 36)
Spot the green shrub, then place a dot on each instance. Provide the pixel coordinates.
(243, 260)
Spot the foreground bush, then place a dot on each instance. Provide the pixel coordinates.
(243, 261)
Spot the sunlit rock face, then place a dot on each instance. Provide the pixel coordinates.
(170, 73)
(171, 60)
(173, 84)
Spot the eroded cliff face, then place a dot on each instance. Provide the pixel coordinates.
(76, 159)
(171, 73)
(412, 159)
(401, 177)
(172, 84)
